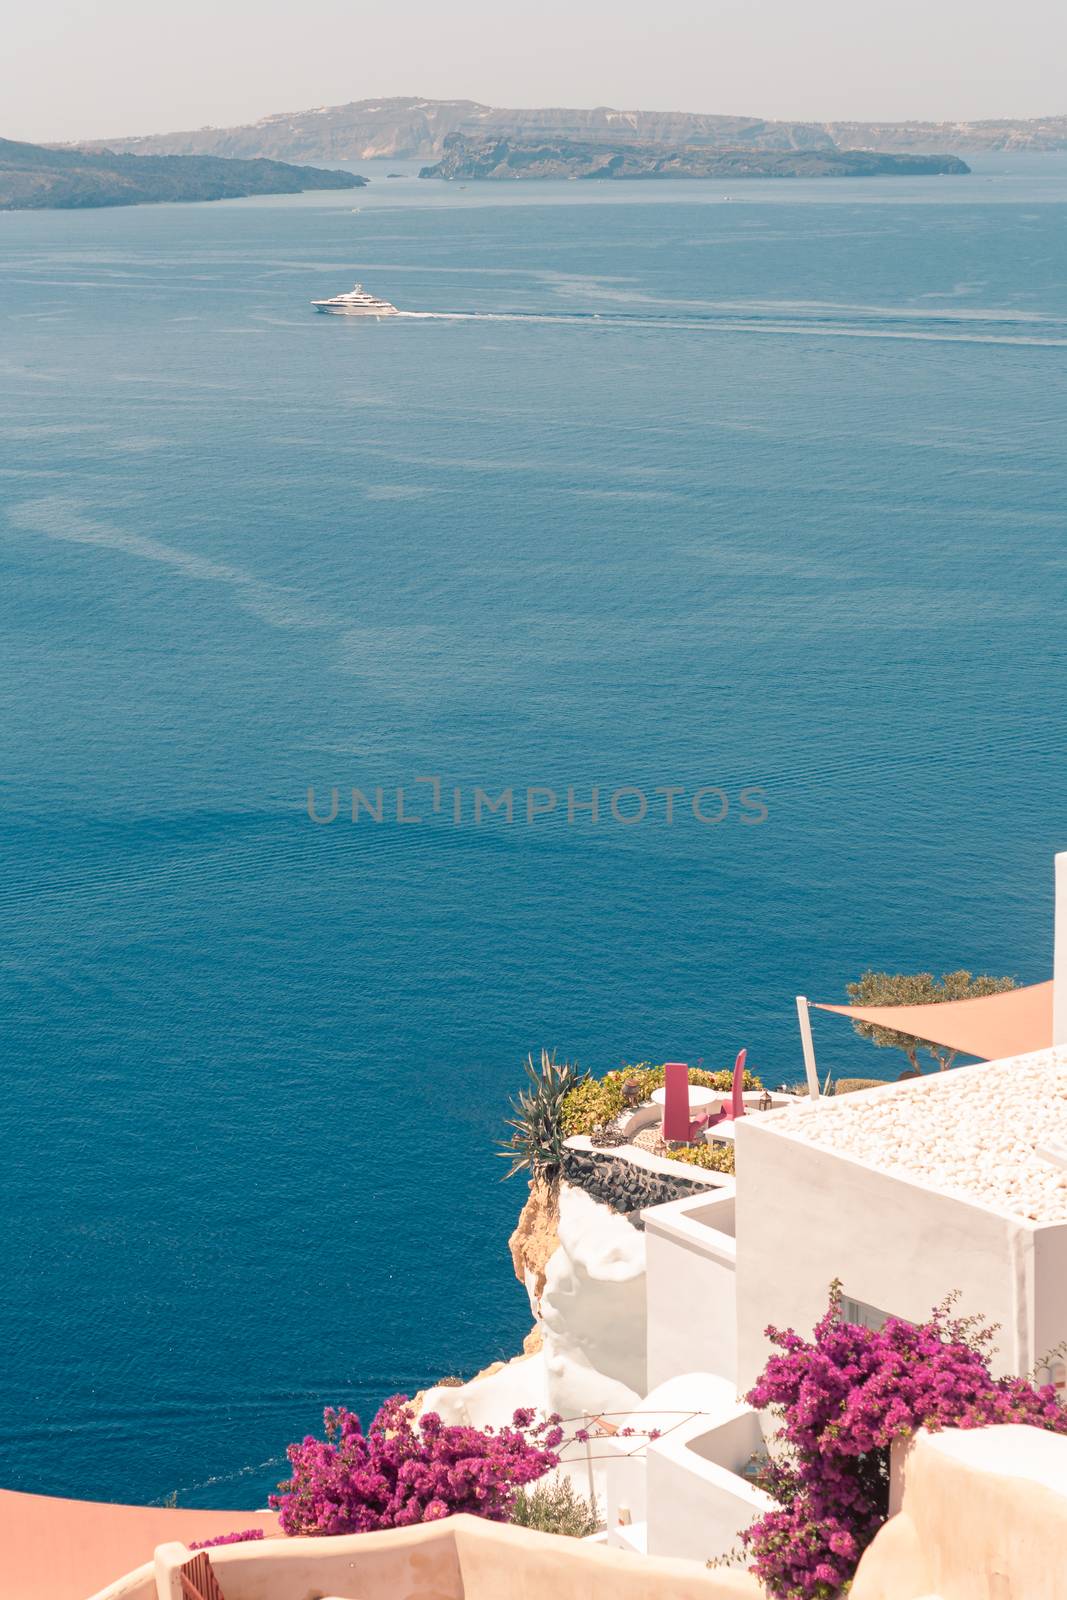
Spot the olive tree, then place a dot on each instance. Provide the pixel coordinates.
(917, 989)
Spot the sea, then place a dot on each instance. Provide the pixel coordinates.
(743, 507)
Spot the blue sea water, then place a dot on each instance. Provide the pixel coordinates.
(760, 492)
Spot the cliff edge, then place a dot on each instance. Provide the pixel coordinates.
(535, 1240)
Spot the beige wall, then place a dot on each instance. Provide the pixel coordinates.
(805, 1217)
(983, 1517)
(463, 1558)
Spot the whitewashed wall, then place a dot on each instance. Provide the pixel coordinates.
(683, 1492)
(691, 1261)
(698, 1502)
(806, 1216)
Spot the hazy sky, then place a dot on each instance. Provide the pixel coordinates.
(81, 68)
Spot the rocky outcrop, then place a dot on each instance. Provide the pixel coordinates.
(587, 1352)
(593, 1310)
(482, 156)
(579, 1250)
(626, 1188)
(535, 1238)
(33, 178)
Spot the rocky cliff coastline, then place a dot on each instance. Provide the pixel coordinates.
(35, 178)
(508, 159)
(409, 126)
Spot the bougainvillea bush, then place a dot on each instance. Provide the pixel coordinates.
(242, 1536)
(842, 1400)
(403, 1471)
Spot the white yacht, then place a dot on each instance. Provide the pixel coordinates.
(356, 303)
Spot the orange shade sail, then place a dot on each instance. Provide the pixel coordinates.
(991, 1027)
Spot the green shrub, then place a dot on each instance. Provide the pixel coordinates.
(850, 1085)
(712, 1157)
(536, 1142)
(555, 1507)
(595, 1101)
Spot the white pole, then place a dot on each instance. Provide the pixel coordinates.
(589, 1458)
(810, 1069)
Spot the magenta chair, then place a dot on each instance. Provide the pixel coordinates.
(734, 1106)
(737, 1099)
(678, 1128)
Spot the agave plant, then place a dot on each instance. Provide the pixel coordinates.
(536, 1143)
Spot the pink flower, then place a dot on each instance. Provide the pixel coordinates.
(228, 1538)
(402, 1472)
(843, 1399)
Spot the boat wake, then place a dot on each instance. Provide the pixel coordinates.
(947, 329)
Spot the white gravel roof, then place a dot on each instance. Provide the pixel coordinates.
(971, 1131)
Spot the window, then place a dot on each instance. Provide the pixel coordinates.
(863, 1315)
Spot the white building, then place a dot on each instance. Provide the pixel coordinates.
(905, 1194)
(908, 1193)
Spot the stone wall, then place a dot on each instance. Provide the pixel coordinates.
(626, 1188)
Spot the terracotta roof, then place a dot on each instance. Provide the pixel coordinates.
(56, 1549)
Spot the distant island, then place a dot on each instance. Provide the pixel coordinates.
(35, 178)
(484, 157)
(408, 126)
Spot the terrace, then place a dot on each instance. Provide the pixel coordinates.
(671, 1120)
